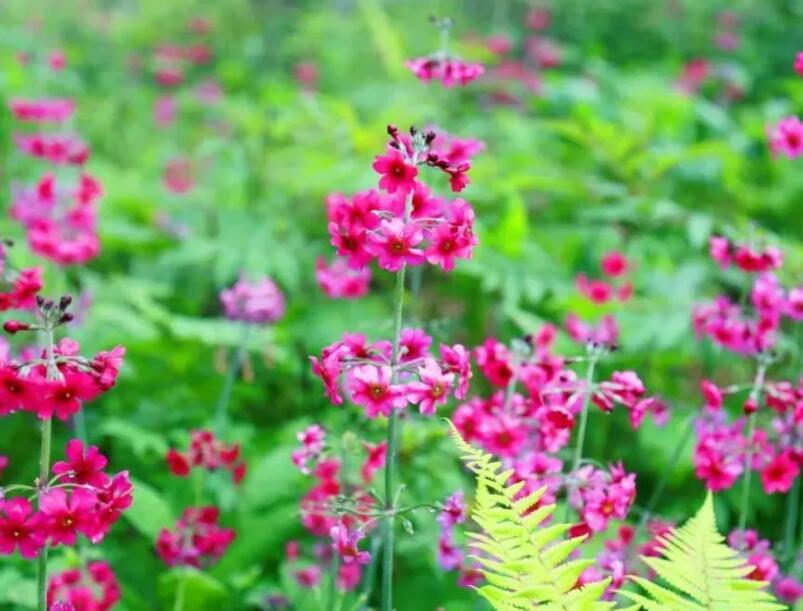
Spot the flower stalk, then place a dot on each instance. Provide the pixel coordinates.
(755, 398)
(581, 433)
(44, 469)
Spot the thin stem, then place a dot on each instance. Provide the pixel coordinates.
(221, 409)
(790, 520)
(391, 463)
(581, 433)
(181, 590)
(667, 472)
(44, 471)
(755, 395)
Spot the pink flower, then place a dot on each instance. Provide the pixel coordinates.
(720, 250)
(377, 455)
(453, 511)
(799, 63)
(345, 545)
(371, 387)
(614, 264)
(780, 473)
(446, 244)
(338, 281)
(259, 302)
(308, 577)
(788, 589)
(397, 174)
(433, 388)
(21, 527)
(414, 345)
(66, 516)
(787, 137)
(328, 369)
(712, 395)
(450, 556)
(456, 360)
(394, 245)
(83, 468)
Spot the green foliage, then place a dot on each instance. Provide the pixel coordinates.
(703, 572)
(524, 561)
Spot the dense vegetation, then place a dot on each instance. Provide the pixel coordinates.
(189, 171)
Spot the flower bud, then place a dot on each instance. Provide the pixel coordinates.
(12, 326)
(65, 302)
(750, 406)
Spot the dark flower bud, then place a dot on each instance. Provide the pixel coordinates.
(66, 317)
(65, 302)
(413, 130)
(429, 137)
(40, 301)
(12, 326)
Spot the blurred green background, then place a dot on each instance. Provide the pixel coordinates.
(609, 153)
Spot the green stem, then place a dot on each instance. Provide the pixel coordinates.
(44, 471)
(391, 463)
(755, 394)
(667, 472)
(790, 521)
(581, 433)
(221, 415)
(181, 590)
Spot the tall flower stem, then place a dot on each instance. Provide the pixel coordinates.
(44, 471)
(391, 463)
(790, 521)
(221, 408)
(755, 396)
(181, 591)
(581, 433)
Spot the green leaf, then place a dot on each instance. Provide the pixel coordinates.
(201, 591)
(149, 512)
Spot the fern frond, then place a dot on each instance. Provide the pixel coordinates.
(703, 572)
(524, 563)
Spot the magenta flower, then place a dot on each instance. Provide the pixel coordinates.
(375, 461)
(66, 516)
(780, 473)
(81, 467)
(614, 264)
(21, 527)
(394, 245)
(432, 389)
(257, 302)
(339, 281)
(454, 510)
(799, 63)
(328, 369)
(414, 345)
(371, 387)
(786, 138)
(397, 174)
(456, 360)
(345, 544)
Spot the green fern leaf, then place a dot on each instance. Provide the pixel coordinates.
(703, 572)
(524, 563)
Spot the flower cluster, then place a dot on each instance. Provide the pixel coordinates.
(339, 281)
(171, 61)
(259, 302)
(93, 588)
(599, 496)
(337, 507)
(80, 499)
(18, 290)
(207, 452)
(453, 512)
(374, 382)
(407, 224)
(29, 387)
(197, 540)
(612, 562)
(776, 450)
(615, 266)
(726, 322)
(60, 216)
(758, 554)
(450, 71)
